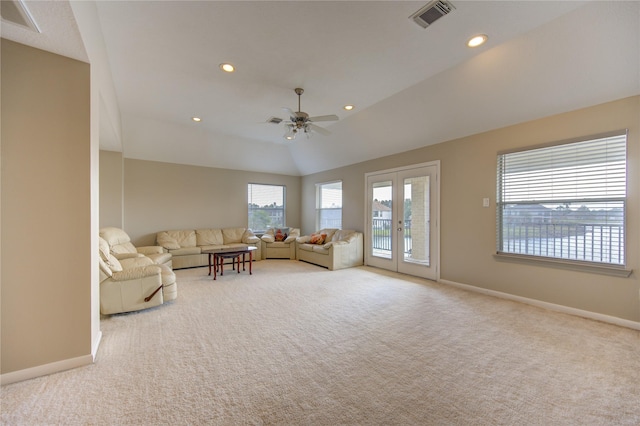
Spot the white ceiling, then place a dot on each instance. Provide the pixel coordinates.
(411, 86)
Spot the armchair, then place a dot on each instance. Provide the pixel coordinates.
(332, 248)
(121, 247)
(279, 243)
(135, 283)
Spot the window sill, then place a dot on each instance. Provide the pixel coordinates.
(596, 268)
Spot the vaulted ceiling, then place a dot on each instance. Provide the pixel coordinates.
(410, 86)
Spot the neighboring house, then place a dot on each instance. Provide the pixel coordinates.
(380, 211)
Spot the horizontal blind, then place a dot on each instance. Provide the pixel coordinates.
(329, 205)
(565, 201)
(266, 205)
(593, 169)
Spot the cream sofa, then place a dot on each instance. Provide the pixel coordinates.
(281, 249)
(121, 248)
(339, 249)
(134, 283)
(186, 245)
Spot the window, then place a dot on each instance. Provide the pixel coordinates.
(565, 201)
(329, 205)
(266, 206)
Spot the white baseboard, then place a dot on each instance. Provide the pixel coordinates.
(43, 370)
(95, 346)
(546, 305)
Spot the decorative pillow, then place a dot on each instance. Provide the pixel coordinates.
(281, 234)
(317, 238)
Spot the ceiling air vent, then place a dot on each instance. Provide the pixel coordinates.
(432, 12)
(274, 120)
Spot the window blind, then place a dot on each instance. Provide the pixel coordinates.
(266, 205)
(329, 205)
(565, 201)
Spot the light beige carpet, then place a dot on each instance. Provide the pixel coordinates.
(295, 344)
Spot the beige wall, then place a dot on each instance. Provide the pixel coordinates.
(468, 168)
(46, 209)
(111, 188)
(161, 196)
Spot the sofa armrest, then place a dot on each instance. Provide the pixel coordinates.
(304, 239)
(251, 240)
(149, 249)
(121, 256)
(268, 238)
(136, 273)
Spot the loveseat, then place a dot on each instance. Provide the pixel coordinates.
(332, 248)
(279, 243)
(134, 283)
(186, 245)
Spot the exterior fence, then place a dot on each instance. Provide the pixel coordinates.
(574, 241)
(381, 230)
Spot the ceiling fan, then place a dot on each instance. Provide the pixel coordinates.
(301, 122)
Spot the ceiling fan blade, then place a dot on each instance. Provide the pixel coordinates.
(319, 129)
(292, 114)
(324, 118)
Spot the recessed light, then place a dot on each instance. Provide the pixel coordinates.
(196, 119)
(348, 107)
(227, 67)
(478, 40)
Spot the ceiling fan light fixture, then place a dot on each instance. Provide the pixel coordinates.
(290, 134)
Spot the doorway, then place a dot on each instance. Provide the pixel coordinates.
(402, 220)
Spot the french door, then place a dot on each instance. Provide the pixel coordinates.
(403, 220)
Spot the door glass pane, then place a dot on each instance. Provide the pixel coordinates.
(416, 220)
(381, 226)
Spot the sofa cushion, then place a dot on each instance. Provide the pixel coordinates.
(250, 238)
(209, 237)
(111, 263)
(184, 237)
(103, 246)
(278, 244)
(320, 249)
(305, 246)
(185, 251)
(123, 248)
(114, 236)
(329, 231)
(104, 268)
(167, 241)
(268, 238)
(233, 235)
(293, 234)
(135, 262)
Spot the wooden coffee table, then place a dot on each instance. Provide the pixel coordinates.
(217, 256)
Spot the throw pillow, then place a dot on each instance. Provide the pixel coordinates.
(281, 234)
(317, 238)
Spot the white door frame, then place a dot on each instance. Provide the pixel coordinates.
(435, 198)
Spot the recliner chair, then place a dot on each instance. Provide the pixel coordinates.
(134, 284)
(121, 247)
